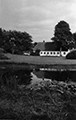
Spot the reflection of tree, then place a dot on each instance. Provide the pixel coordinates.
(56, 75)
(61, 76)
(14, 78)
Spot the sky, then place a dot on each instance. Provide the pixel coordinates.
(37, 17)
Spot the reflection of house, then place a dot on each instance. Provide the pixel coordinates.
(39, 74)
(50, 49)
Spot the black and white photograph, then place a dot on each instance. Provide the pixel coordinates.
(37, 59)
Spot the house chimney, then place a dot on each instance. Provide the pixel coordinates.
(43, 41)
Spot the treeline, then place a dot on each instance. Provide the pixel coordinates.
(15, 42)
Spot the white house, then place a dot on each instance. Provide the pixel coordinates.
(50, 49)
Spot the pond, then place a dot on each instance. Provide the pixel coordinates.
(26, 77)
(13, 83)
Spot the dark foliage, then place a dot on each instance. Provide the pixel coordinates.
(15, 41)
(63, 36)
(71, 55)
(45, 100)
(74, 37)
(36, 53)
(34, 44)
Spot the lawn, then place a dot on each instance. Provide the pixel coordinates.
(37, 60)
(54, 63)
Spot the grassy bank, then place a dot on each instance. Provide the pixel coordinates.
(45, 100)
(55, 63)
(39, 60)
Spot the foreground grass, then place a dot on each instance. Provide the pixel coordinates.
(45, 100)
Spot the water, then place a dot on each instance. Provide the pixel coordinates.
(26, 77)
(14, 79)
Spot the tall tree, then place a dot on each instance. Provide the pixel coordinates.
(1, 37)
(62, 35)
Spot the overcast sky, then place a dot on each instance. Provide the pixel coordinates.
(37, 17)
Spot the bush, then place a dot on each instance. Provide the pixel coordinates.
(50, 100)
(36, 53)
(71, 55)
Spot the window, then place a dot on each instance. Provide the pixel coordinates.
(41, 52)
(47, 52)
(50, 52)
(57, 52)
(64, 53)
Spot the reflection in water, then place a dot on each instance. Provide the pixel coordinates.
(23, 77)
(56, 75)
(15, 78)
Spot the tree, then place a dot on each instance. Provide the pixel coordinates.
(74, 37)
(35, 43)
(63, 36)
(1, 37)
(15, 41)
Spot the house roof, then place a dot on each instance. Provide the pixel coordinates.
(39, 46)
(50, 46)
(47, 46)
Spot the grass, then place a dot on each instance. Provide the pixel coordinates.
(3, 57)
(38, 59)
(55, 63)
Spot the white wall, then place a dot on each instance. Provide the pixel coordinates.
(49, 53)
(53, 53)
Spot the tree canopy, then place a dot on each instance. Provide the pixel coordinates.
(74, 37)
(15, 41)
(63, 36)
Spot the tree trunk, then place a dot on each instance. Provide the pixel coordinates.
(60, 51)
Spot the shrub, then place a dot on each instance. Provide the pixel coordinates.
(71, 55)
(50, 100)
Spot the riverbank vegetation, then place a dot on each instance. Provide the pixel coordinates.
(50, 100)
(71, 55)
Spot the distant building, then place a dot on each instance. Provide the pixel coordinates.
(50, 49)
